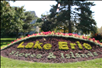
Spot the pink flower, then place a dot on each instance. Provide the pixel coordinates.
(63, 33)
(15, 40)
(12, 42)
(89, 38)
(28, 35)
(75, 35)
(70, 34)
(39, 33)
(34, 34)
(98, 41)
(83, 37)
(93, 39)
(59, 33)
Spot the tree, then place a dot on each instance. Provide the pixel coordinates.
(27, 26)
(11, 18)
(87, 24)
(66, 14)
(18, 20)
(6, 17)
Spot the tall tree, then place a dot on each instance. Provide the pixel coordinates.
(66, 13)
(28, 26)
(87, 24)
(44, 23)
(6, 17)
(18, 20)
(12, 18)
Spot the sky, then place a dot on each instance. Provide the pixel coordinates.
(43, 7)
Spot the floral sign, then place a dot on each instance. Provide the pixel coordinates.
(53, 48)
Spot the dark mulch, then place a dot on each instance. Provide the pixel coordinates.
(54, 50)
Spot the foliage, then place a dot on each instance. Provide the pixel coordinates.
(97, 36)
(47, 26)
(14, 19)
(44, 23)
(79, 44)
(72, 45)
(63, 45)
(47, 46)
(87, 46)
(70, 18)
(5, 17)
(37, 45)
(46, 34)
(29, 45)
(101, 41)
(11, 18)
(27, 26)
(87, 24)
(51, 55)
(20, 45)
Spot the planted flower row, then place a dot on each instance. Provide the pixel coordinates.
(49, 33)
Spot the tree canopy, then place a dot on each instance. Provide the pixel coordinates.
(73, 15)
(14, 19)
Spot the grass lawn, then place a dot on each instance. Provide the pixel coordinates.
(10, 63)
(5, 41)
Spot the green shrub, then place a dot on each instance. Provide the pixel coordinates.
(97, 36)
(101, 41)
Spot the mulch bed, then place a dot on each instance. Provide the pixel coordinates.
(55, 50)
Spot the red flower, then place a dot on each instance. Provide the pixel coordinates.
(15, 40)
(63, 33)
(98, 41)
(35, 34)
(28, 35)
(75, 35)
(12, 42)
(89, 38)
(70, 34)
(39, 33)
(93, 39)
(83, 37)
(59, 33)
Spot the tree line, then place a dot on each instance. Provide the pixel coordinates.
(15, 19)
(73, 16)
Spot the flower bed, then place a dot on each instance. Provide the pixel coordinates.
(54, 48)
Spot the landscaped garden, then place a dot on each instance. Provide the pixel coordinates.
(46, 38)
(64, 37)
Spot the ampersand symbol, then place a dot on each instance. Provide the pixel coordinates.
(51, 55)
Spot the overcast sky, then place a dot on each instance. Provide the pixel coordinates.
(42, 7)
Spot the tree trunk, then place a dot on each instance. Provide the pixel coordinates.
(69, 14)
(17, 34)
(64, 29)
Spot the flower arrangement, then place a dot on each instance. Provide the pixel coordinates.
(49, 33)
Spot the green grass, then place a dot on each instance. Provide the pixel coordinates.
(5, 41)
(8, 38)
(11, 63)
